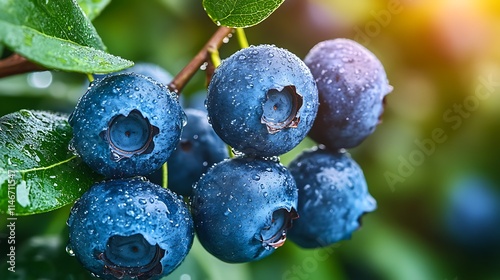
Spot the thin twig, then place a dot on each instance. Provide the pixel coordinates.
(16, 64)
(201, 57)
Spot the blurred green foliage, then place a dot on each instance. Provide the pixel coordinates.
(439, 56)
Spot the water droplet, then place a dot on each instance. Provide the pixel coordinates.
(70, 251)
(106, 219)
(204, 66)
(184, 119)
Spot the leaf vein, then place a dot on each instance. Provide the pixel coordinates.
(47, 167)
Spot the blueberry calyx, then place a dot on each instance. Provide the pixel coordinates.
(121, 257)
(274, 235)
(281, 109)
(186, 145)
(129, 135)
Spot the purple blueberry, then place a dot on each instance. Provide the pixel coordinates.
(352, 85)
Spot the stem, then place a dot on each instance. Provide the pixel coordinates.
(242, 38)
(164, 170)
(181, 79)
(230, 151)
(16, 64)
(214, 57)
(90, 77)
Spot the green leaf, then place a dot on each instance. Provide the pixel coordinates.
(57, 35)
(55, 53)
(62, 19)
(38, 173)
(240, 13)
(92, 8)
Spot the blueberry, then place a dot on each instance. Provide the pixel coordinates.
(262, 100)
(332, 197)
(472, 214)
(352, 85)
(126, 125)
(130, 228)
(243, 207)
(199, 148)
(197, 100)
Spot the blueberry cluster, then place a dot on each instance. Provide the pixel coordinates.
(126, 126)
(262, 101)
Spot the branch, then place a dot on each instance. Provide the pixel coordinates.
(16, 64)
(201, 57)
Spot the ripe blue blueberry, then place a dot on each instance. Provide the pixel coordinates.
(352, 85)
(243, 207)
(197, 100)
(332, 197)
(199, 148)
(131, 229)
(262, 100)
(126, 125)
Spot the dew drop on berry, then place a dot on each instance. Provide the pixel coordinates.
(69, 250)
